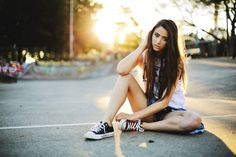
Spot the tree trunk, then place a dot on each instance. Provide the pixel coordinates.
(233, 40)
(216, 12)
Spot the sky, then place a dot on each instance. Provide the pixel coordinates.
(147, 13)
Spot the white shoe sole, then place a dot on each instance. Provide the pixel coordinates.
(91, 135)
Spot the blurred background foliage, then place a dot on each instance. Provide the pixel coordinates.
(41, 29)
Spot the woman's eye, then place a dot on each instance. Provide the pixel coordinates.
(156, 34)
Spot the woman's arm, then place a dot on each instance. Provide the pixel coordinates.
(130, 61)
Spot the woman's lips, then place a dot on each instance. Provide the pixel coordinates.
(157, 46)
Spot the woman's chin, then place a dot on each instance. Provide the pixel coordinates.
(157, 50)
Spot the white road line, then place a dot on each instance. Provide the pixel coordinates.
(83, 124)
(220, 116)
(45, 126)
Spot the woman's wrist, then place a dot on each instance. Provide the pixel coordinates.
(136, 115)
(143, 44)
(140, 49)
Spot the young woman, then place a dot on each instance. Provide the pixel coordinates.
(160, 106)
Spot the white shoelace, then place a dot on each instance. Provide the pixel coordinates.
(98, 127)
(134, 126)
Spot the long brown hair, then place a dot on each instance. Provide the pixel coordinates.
(172, 62)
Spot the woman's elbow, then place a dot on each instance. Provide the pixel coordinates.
(165, 103)
(121, 72)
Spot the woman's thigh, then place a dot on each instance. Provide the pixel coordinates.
(185, 114)
(184, 119)
(136, 95)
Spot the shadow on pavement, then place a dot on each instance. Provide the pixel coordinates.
(162, 144)
(154, 144)
(69, 141)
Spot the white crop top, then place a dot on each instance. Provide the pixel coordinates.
(178, 98)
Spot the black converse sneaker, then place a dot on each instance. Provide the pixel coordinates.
(100, 131)
(128, 125)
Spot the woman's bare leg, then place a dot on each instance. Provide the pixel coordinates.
(125, 86)
(177, 121)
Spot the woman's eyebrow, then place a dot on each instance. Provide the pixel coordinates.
(161, 35)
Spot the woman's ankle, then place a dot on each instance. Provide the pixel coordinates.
(108, 122)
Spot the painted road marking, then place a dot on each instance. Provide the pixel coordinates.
(84, 124)
(45, 126)
(219, 116)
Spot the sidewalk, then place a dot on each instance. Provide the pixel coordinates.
(48, 118)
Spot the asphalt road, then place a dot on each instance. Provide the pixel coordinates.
(48, 118)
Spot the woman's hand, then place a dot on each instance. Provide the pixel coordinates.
(129, 62)
(123, 115)
(143, 44)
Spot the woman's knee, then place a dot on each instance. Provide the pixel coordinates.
(193, 122)
(196, 122)
(125, 78)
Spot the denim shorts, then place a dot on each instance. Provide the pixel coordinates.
(160, 115)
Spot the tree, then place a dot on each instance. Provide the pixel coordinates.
(190, 6)
(33, 25)
(216, 4)
(131, 39)
(44, 25)
(84, 37)
(230, 8)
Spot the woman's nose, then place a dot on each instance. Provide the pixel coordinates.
(158, 40)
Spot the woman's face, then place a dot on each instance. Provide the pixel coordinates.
(159, 38)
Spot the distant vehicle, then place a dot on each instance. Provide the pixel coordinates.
(192, 47)
(195, 51)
